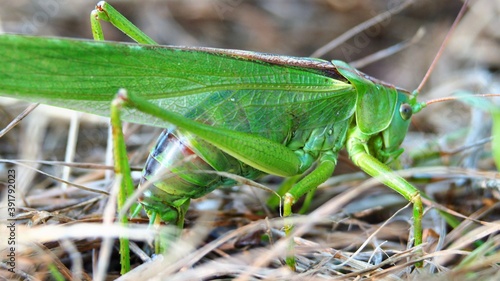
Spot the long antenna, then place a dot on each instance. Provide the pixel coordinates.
(441, 49)
(459, 98)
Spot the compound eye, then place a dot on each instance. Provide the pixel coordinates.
(405, 111)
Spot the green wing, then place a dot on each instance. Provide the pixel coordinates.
(232, 89)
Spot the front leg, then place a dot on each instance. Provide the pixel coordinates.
(356, 147)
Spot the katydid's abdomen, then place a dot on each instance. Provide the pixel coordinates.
(178, 169)
(169, 180)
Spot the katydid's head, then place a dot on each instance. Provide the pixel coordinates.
(382, 111)
(394, 134)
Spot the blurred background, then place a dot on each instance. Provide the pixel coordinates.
(286, 27)
(471, 62)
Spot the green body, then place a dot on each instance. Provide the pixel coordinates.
(307, 104)
(241, 112)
